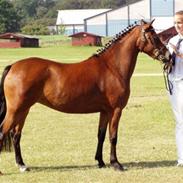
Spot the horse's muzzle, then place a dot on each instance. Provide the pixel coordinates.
(165, 58)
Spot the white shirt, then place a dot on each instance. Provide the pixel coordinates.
(177, 70)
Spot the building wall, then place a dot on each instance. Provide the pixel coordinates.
(73, 29)
(112, 22)
(7, 43)
(17, 43)
(162, 8)
(10, 44)
(178, 5)
(162, 11)
(117, 20)
(29, 42)
(139, 10)
(79, 41)
(73, 20)
(97, 25)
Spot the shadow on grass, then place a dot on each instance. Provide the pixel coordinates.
(138, 165)
(130, 165)
(62, 168)
(150, 164)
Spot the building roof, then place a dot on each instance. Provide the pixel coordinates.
(172, 29)
(84, 34)
(15, 35)
(76, 17)
(167, 34)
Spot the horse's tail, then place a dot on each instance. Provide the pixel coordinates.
(7, 139)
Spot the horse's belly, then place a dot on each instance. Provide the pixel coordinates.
(78, 105)
(78, 108)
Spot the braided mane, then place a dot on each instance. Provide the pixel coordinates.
(117, 37)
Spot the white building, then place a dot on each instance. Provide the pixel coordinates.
(73, 20)
(106, 22)
(113, 21)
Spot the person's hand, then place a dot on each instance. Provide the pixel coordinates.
(176, 51)
(174, 48)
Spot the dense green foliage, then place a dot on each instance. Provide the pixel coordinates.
(9, 19)
(17, 15)
(35, 29)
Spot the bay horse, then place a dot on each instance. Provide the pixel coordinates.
(100, 83)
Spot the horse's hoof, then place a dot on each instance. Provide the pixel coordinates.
(23, 169)
(1, 173)
(118, 166)
(101, 165)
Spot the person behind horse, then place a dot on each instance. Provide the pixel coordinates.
(175, 46)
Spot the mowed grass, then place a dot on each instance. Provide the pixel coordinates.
(61, 147)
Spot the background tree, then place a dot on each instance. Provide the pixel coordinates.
(84, 4)
(36, 15)
(33, 9)
(35, 29)
(9, 19)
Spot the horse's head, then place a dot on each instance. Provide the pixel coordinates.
(149, 43)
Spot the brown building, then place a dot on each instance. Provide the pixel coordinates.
(167, 34)
(85, 38)
(12, 40)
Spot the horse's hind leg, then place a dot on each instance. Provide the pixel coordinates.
(104, 119)
(15, 124)
(16, 136)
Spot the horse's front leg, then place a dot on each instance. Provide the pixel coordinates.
(103, 121)
(113, 130)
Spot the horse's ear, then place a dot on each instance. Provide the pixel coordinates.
(152, 21)
(143, 22)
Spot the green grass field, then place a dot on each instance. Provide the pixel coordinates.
(60, 148)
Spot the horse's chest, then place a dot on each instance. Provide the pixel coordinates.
(118, 94)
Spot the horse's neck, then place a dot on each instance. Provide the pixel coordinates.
(124, 56)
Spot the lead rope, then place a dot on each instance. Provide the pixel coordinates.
(168, 83)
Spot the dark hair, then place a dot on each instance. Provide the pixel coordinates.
(179, 12)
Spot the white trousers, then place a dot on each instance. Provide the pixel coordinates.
(176, 100)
